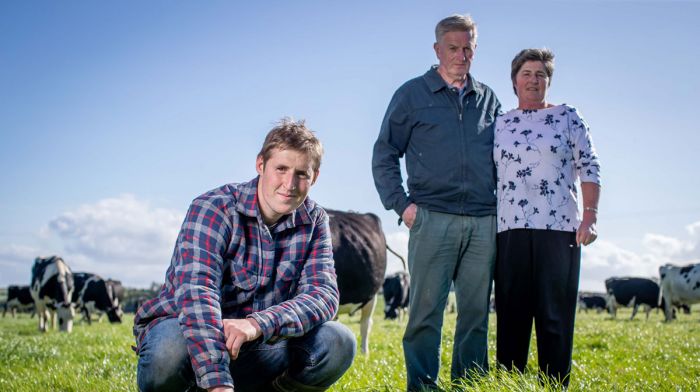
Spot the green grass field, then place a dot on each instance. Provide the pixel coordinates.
(609, 355)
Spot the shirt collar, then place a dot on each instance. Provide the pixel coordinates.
(247, 204)
(436, 82)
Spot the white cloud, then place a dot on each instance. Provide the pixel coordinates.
(124, 238)
(122, 228)
(15, 263)
(604, 259)
(398, 241)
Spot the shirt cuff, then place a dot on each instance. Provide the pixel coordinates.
(267, 324)
(215, 373)
(402, 207)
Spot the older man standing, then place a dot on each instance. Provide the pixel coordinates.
(443, 123)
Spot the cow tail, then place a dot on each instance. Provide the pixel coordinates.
(403, 261)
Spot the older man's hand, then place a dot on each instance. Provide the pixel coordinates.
(239, 331)
(409, 215)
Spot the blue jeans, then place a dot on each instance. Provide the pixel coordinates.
(312, 362)
(445, 249)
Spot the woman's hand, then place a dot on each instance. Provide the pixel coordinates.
(586, 232)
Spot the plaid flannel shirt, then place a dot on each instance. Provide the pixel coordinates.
(227, 264)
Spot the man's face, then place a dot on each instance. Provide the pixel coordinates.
(455, 50)
(285, 180)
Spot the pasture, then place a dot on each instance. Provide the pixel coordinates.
(609, 355)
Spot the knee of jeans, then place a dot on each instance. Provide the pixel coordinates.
(342, 344)
(160, 366)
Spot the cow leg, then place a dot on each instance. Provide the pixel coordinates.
(647, 310)
(669, 312)
(634, 306)
(611, 304)
(86, 315)
(366, 323)
(4, 310)
(13, 312)
(54, 319)
(403, 312)
(44, 316)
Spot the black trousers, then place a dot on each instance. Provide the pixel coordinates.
(536, 277)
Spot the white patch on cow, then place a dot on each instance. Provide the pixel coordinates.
(679, 288)
(365, 320)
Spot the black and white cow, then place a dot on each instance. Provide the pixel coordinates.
(679, 286)
(359, 251)
(18, 297)
(51, 289)
(396, 290)
(593, 301)
(117, 291)
(93, 295)
(631, 292)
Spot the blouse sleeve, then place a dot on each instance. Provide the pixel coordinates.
(585, 156)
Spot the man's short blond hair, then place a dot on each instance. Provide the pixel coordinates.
(289, 134)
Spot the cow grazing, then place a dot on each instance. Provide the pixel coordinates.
(396, 290)
(117, 291)
(593, 301)
(52, 289)
(359, 251)
(18, 297)
(631, 292)
(679, 286)
(93, 295)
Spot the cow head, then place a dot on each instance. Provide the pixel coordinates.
(65, 312)
(115, 314)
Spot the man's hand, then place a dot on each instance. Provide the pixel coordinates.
(239, 331)
(409, 215)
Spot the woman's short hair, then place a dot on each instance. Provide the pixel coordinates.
(544, 55)
(289, 134)
(456, 22)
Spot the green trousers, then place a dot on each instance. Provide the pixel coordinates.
(444, 249)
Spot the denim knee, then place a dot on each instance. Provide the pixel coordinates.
(322, 356)
(163, 363)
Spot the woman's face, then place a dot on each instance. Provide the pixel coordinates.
(531, 83)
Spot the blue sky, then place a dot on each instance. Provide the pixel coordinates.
(113, 117)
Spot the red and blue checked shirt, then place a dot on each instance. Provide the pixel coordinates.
(228, 264)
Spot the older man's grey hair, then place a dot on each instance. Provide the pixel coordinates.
(544, 55)
(456, 22)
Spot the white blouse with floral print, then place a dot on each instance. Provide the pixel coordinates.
(539, 155)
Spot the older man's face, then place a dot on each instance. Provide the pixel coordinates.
(455, 50)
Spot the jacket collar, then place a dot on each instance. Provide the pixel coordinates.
(436, 82)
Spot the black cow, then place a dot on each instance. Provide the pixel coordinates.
(591, 301)
(18, 297)
(93, 295)
(359, 251)
(396, 290)
(52, 290)
(632, 292)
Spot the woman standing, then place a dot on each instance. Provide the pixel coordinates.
(540, 150)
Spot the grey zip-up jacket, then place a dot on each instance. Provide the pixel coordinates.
(448, 146)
